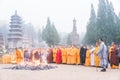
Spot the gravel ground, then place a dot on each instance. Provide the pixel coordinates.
(62, 72)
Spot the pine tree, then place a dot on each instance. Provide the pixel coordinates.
(50, 34)
(91, 28)
(39, 36)
(69, 42)
(106, 22)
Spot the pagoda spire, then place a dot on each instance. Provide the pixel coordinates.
(15, 12)
(74, 25)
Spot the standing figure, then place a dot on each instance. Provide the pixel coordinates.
(88, 58)
(96, 57)
(73, 55)
(82, 55)
(50, 55)
(59, 56)
(54, 54)
(103, 55)
(26, 55)
(92, 55)
(19, 56)
(64, 55)
(69, 55)
(78, 56)
(114, 59)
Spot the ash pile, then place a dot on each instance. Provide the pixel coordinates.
(29, 67)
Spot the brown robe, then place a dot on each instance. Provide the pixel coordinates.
(114, 60)
(50, 56)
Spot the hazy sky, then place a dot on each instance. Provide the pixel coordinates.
(61, 12)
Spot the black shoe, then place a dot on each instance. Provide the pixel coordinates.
(103, 70)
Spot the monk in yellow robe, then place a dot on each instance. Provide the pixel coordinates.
(96, 58)
(54, 54)
(68, 55)
(87, 60)
(73, 55)
(64, 55)
(78, 56)
(6, 58)
(19, 56)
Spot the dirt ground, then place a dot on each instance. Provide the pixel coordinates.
(62, 72)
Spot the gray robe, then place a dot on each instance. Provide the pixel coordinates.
(103, 55)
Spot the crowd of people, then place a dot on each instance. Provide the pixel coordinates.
(98, 56)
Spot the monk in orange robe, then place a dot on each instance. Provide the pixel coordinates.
(50, 55)
(73, 55)
(78, 56)
(19, 56)
(54, 54)
(68, 55)
(114, 59)
(6, 58)
(96, 58)
(64, 55)
(87, 61)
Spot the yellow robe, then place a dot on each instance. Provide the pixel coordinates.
(6, 58)
(68, 55)
(78, 56)
(64, 55)
(96, 58)
(114, 67)
(54, 54)
(19, 56)
(87, 60)
(110, 52)
(73, 55)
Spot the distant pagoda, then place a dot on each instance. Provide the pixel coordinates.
(74, 34)
(1, 41)
(15, 32)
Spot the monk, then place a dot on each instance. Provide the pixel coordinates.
(59, 56)
(114, 59)
(50, 55)
(96, 58)
(73, 55)
(68, 55)
(87, 61)
(19, 56)
(92, 55)
(54, 54)
(6, 58)
(26, 55)
(78, 56)
(82, 55)
(64, 55)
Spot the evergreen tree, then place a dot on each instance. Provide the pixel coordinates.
(69, 42)
(55, 35)
(118, 36)
(30, 31)
(91, 28)
(101, 20)
(106, 26)
(50, 34)
(39, 36)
